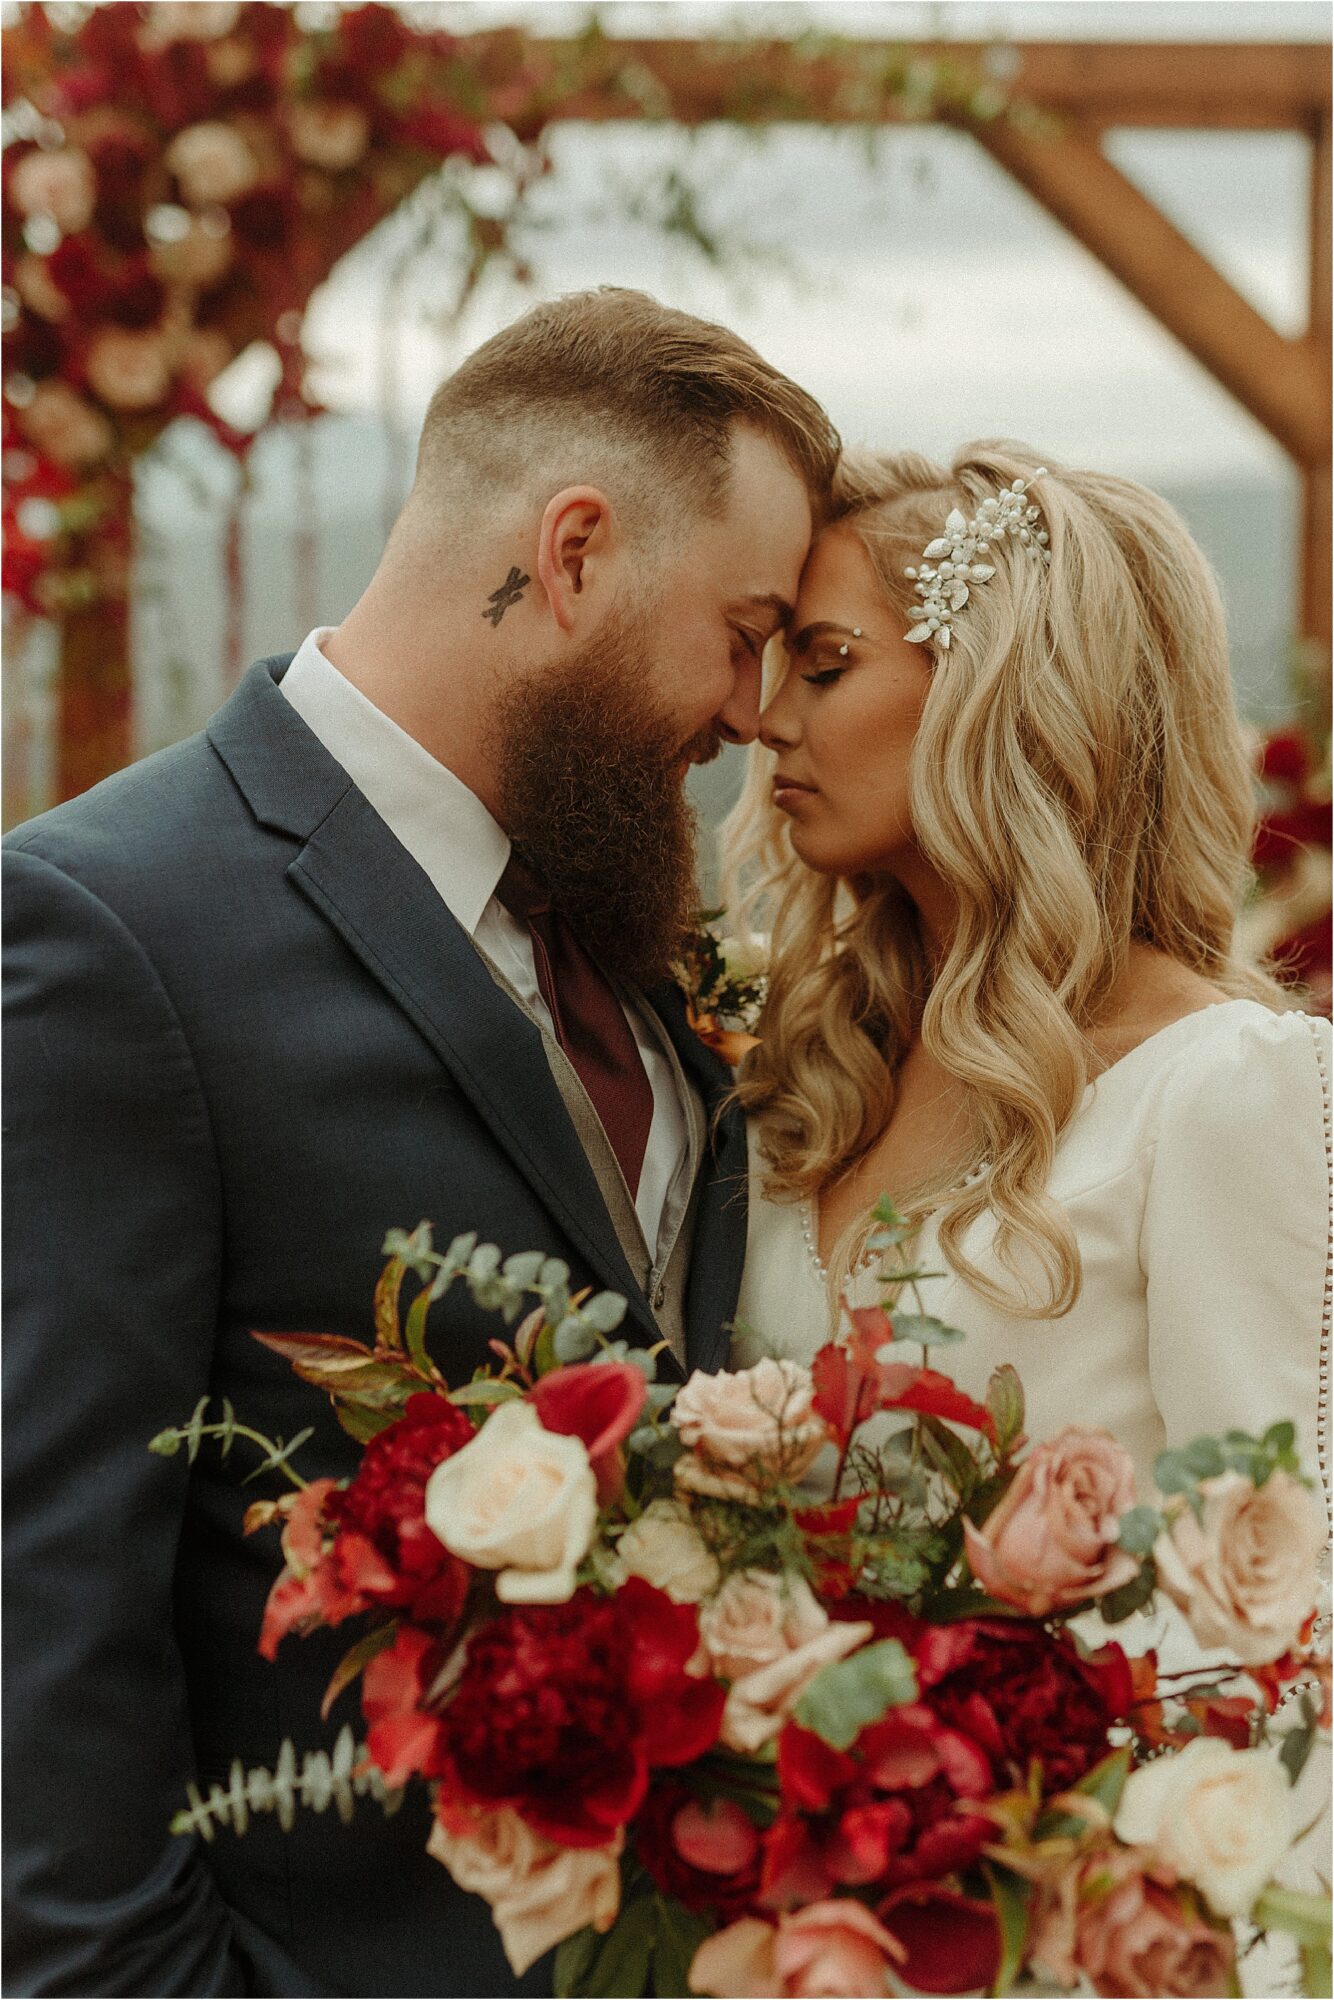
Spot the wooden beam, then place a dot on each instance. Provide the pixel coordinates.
(1317, 583)
(839, 81)
(1283, 383)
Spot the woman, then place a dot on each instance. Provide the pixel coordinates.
(1001, 815)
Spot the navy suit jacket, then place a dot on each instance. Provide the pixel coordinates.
(244, 1037)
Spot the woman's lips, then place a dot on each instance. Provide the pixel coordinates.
(788, 794)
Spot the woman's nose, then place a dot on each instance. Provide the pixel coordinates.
(778, 723)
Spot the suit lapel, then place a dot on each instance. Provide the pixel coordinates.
(366, 884)
(719, 1247)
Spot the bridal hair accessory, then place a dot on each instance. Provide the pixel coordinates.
(950, 564)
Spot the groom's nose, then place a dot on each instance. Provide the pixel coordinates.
(739, 716)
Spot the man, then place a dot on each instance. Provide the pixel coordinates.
(387, 942)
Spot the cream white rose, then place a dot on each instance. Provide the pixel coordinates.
(1215, 1815)
(212, 162)
(539, 1893)
(769, 1636)
(667, 1550)
(518, 1499)
(332, 136)
(1244, 1574)
(744, 1427)
(60, 184)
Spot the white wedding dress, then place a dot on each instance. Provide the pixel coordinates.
(1196, 1175)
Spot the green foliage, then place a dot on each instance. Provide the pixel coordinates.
(1012, 1897)
(1119, 1605)
(189, 1437)
(848, 1694)
(1299, 1742)
(319, 1782)
(616, 1964)
(1005, 1400)
(679, 1933)
(1256, 1458)
(1139, 1530)
(923, 1330)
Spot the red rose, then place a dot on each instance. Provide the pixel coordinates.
(1022, 1692)
(706, 1854)
(599, 1402)
(561, 1709)
(384, 1548)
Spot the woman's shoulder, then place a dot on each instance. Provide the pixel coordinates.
(1234, 1078)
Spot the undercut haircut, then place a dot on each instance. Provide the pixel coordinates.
(608, 387)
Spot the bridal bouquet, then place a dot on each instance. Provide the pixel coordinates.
(774, 1682)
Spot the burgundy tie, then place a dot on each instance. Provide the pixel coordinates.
(589, 1020)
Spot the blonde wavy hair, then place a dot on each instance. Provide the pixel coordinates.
(1079, 779)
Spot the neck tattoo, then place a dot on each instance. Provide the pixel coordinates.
(510, 591)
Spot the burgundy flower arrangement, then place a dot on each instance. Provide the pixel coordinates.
(770, 1683)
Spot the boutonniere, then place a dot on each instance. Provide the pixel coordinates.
(724, 982)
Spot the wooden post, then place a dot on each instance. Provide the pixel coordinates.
(1317, 525)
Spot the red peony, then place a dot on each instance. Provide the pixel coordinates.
(384, 1548)
(893, 1809)
(561, 1709)
(706, 1854)
(1022, 1692)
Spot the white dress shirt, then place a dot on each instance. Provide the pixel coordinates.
(454, 840)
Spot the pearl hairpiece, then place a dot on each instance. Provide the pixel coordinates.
(950, 564)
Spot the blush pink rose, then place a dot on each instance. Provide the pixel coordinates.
(747, 1428)
(1052, 1540)
(834, 1950)
(1245, 1573)
(1108, 1921)
(539, 1892)
(769, 1636)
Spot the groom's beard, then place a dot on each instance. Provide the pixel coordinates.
(589, 784)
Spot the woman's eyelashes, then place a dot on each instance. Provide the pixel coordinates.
(820, 677)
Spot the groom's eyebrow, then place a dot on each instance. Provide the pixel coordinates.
(765, 600)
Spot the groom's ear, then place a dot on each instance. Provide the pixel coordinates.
(576, 543)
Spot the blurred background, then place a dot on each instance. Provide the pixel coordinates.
(243, 290)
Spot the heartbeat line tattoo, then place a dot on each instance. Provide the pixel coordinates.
(511, 590)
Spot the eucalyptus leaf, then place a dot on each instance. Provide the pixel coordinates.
(1204, 1457)
(1139, 1529)
(573, 1340)
(924, 1330)
(484, 1262)
(605, 1311)
(523, 1267)
(848, 1694)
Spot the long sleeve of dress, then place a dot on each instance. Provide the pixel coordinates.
(1235, 1240)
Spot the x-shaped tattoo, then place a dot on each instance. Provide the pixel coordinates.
(511, 590)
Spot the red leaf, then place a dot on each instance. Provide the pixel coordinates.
(934, 1395)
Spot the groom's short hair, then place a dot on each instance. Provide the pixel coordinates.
(610, 386)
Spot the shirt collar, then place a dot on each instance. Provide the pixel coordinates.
(443, 825)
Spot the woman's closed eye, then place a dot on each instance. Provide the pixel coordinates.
(820, 677)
